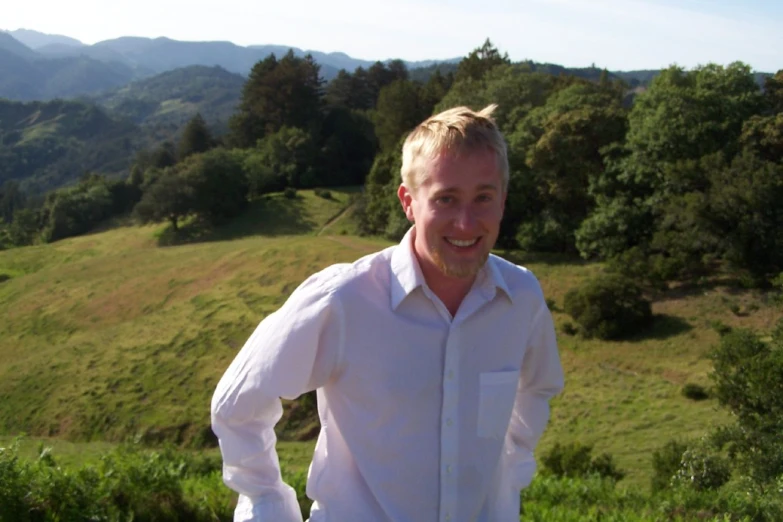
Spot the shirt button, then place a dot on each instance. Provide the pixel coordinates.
(450, 374)
(448, 516)
(448, 469)
(449, 422)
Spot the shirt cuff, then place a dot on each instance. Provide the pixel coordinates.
(263, 510)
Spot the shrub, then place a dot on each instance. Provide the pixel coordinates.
(289, 193)
(323, 193)
(695, 392)
(666, 463)
(4, 278)
(569, 328)
(575, 460)
(703, 470)
(610, 306)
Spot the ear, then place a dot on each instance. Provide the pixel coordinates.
(406, 200)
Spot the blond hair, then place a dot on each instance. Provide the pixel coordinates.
(454, 131)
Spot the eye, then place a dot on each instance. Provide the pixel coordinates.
(484, 198)
(444, 200)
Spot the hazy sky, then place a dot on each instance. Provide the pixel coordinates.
(617, 34)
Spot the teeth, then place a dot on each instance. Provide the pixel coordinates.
(462, 243)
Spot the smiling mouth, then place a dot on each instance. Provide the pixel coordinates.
(462, 243)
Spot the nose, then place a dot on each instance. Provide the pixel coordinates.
(465, 218)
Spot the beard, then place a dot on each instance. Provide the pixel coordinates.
(459, 269)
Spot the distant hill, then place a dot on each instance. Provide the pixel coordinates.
(13, 46)
(170, 99)
(49, 144)
(27, 75)
(35, 39)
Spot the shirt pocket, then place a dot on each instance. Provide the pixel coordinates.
(497, 392)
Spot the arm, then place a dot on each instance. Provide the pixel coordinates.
(292, 351)
(541, 378)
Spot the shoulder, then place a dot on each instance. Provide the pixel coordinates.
(344, 278)
(519, 280)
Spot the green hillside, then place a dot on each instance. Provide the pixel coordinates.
(45, 145)
(111, 336)
(171, 99)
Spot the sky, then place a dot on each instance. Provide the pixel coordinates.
(616, 34)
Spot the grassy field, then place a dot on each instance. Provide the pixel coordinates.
(124, 334)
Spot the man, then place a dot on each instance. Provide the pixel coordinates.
(433, 360)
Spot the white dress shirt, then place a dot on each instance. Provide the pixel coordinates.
(424, 417)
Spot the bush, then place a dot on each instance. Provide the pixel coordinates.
(575, 460)
(4, 278)
(703, 470)
(666, 463)
(290, 193)
(610, 306)
(695, 392)
(569, 328)
(323, 193)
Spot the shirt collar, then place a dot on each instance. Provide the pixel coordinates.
(406, 273)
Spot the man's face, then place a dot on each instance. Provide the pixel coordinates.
(457, 208)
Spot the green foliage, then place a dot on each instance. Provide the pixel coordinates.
(748, 376)
(666, 463)
(347, 147)
(127, 484)
(609, 306)
(289, 193)
(745, 217)
(481, 60)
(576, 460)
(398, 111)
(381, 204)
(170, 197)
(285, 158)
(45, 145)
(561, 144)
(656, 183)
(703, 469)
(220, 187)
(278, 93)
(196, 138)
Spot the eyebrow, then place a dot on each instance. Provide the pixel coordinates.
(480, 188)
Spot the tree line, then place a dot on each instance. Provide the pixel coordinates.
(665, 184)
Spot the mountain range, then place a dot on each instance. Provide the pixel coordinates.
(39, 66)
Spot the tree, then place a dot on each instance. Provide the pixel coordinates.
(398, 111)
(745, 216)
(748, 377)
(196, 138)
(348, 147)
(170, 198)
(682, 118)
(773, 92)
(285, 158)
(11, 199)
(218, 182)
(284, 93)
(480, 61)
(562, 143)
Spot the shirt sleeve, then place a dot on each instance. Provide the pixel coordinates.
(541, 378)
(292, 351)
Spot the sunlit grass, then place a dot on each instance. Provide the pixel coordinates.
(110, 336)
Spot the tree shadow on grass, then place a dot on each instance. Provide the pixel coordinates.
(663, 327)
(269, 216)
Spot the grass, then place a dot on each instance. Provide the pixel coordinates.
(110, 336)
